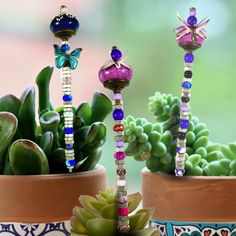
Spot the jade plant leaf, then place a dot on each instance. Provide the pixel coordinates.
(84, 112)
(8, 126)
(27, 158)
(10, 103)
(26, 117)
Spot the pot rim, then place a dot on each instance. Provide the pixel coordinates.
(146, 171)
(98, 169)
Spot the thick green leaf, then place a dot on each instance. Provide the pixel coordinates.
(10, 103)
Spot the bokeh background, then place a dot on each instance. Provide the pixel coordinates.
(144, 31)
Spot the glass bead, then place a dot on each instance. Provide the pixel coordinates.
(68, 130)
(181, 135)
(186, 85)
(65, 47)
(185, 99)
(120, 155)
(189, 57)
(123, 211)
(116, 54)
(67, 98)
(184, 108)
(121, 183)
(118, 114)
(120, 144)
(70, 163)
(192, 20)
(181, 150)
(179, 172)
(118, 127)
(188, 74)
(117, 96)
(184, 124)
(122, 199)
(121, 172)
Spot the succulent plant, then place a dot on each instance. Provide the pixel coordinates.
(97, 216)
(28, 147)
(155, 142)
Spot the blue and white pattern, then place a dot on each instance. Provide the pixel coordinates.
(169, 228)
(47, 229)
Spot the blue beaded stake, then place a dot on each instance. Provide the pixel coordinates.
(64, 26)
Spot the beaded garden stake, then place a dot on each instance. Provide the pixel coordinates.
(64, 26)
(190, 36)
(116, 75)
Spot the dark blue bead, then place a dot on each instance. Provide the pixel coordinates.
(65, 47)
(69, 130)
(118, 114)
(67, 98)
(69, 146)
(184, 124)
(116, 54)
(189, 57)
(64, 22)
(70, 163)
(186, 85)
(192, 20)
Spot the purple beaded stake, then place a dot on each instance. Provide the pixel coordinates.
(64, 26)
(116, 75)
(190, 36)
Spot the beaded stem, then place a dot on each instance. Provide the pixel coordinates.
(190, 37)
(122, 200)
(65, 26)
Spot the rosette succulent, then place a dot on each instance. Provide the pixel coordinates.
(28, 147)
(98, 217)
(155, 142)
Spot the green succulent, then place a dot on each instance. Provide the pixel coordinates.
(28, 147)
(155, 142)
(98, 217)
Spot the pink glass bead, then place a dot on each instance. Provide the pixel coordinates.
(123, 199)
(188, 38)
(123, 211)
(120, 144)
(115, 73)
(117, 96)
(120, 155)
(124, 228)
(121, 183)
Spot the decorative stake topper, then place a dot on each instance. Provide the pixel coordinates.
(190, 37)
(64, 26)
(116, 75)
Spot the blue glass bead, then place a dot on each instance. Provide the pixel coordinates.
(118, 114)
(67, 98)
(70, 163)
(188, 57)
(179, 172)
(116, 54)
(186, 85)
(69, 146)
(184, 124)
(69, 130)
(192, 20)
(65, 47)
(64, 22)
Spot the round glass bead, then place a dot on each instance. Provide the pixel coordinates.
(67, 98)
(181, 150)
(121, 172)
(69, 146)
(192, 20)
(118, 114)
(184, 124)
(118, 127)
(65, 47)
(123, 211)
(179, 172)
(184, 108)
(189, 57)
(69, 130)
(116, 54)
(120, 155)
(70, 163)
(188, 74)
(181, 135)
(186, 85)
(185, 99)
(122, 199)
(120, 144)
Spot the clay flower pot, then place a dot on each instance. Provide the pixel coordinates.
(191, 206)
(42, 204)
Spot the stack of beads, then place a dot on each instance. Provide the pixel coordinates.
(190, 37)
(116, 75)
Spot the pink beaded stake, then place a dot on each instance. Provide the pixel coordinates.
(116, 75)
(190, 36)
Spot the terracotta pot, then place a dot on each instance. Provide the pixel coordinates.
(204, 205)
(46, 198)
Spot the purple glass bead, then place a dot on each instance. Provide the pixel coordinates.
(186, 85)
(116, 54)
(188, 57)
(184, 124)
(181, 150)
(117, 96)
(118, 114)
(189, 39)
(69, 146)
(179, 172)
(184, 108)
(120, 144)
(115, 73)
(192, 20)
